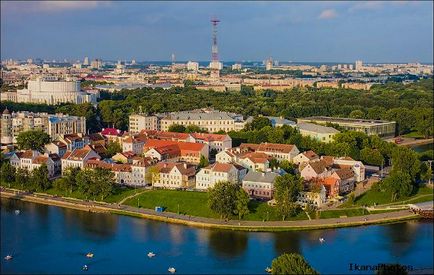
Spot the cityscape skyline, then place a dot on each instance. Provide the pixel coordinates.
(151, 31)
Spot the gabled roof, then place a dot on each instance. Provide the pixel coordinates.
(77, 154)
(253, 176)
(328, 160)
(318, 166)
(111, 132)
(184, 169)
(220, 167)
(28, 154)
(96, 137)
(344, 174)
(209, 137)
(256, 157)
(72, 138)
(40, 159)
(267, 147)
(173, 147)
(311, 155)
(163, 135)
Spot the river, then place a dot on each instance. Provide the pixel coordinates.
(49, 239)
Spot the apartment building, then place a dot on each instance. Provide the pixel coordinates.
(208, 176)
(174, 175)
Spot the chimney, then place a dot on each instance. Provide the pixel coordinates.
(185, 165)
(165, 165)
(263, 174)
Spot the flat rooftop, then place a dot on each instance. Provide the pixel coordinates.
(367, 122)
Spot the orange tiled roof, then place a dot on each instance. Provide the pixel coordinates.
(310, 155)
(40, 160)
(256, 157)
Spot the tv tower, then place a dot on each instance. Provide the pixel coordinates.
(215, 64)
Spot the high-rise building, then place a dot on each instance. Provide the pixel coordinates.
(192, 66)
(269, 64)
(86, 61)
(54, 125)
(358, 65)
(236, 66)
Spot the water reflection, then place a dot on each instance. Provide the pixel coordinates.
(401, 237)
(287, 242)
(93, 225)
(227, 244)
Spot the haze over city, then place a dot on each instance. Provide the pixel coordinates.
(379, 31)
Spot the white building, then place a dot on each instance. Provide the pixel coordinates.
(78, 158)
(173, 175)
(207, 177)
(31, 160)
(52, 90)
(192, 66)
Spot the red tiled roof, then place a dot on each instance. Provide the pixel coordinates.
(208, 137)
(111, 132)
(28, 154)
(318, 166)
(173, 147)
(267, 147)
(310, 155)
(256, 157)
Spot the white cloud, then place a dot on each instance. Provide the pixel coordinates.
(371, 5)
(328, 14)
(51, 6)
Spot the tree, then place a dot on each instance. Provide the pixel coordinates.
(112, 149)
(7, 173)
(426, 172)
(152, 175)
(39, 178)
(68, 182)
(104, 180)
(405, 160)
(398, 184)
(95, 182)
(33, 140)
(177, 128)
(258, 123)
(203, 162)
(274, 163)
(371, 156)
(242, 205)
(194, 129)
(287, 166)
(291, 264)
(287, 189)
(357, 114)
(22, 177)
(222, 198)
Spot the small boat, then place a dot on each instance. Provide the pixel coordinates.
(268, 269)
(89, 255)
(151, 254)
(85, 267)
(321, 240)
(8, 257)
(171, 270)
(17, 212)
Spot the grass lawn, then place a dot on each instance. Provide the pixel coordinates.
(371, 197)
(196, 204)
(190, 203)
(414, 134)
(119, 193)
(327, 214)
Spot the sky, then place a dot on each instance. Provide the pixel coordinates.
(305, 31)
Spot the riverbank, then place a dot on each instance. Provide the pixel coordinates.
(381, 218)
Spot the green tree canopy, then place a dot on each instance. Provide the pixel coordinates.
(39, 178)
(286, 191)
(405, 160)
(291, 264)
(112, 149)
(222, 198)
(177, 128)
(242, 205)
(258, 123)
(33, 140)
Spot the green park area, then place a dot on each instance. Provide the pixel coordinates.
(196, 204)
(378, 197)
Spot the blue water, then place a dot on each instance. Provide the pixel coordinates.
(48, 239)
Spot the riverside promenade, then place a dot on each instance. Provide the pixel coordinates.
(201, 222)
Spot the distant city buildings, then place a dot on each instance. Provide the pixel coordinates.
(55, 125)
